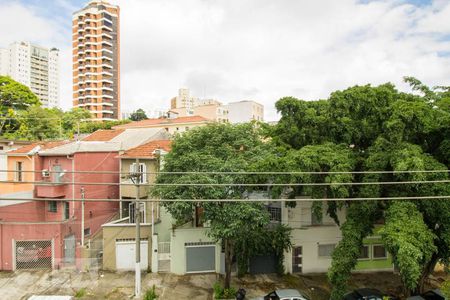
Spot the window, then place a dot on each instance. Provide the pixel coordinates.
(326, 250)
(19, 171)
(364, 252)
(66, 211)
(87, 231)
(52, 206)
(132, 212)
(142, 171)
(379, 251)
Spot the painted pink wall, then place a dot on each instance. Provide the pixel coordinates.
(96, 213)
(36, 231)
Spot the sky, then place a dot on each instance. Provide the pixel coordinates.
(260, 50)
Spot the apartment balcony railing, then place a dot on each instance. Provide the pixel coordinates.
(53, 186)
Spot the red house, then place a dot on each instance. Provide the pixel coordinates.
(59, 230)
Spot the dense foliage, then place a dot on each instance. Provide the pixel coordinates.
(365, 128)
(138, 115)
(22, 116)
(216, 148)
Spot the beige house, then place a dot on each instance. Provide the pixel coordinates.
(119, 236)
(212, 110)
(172, 125)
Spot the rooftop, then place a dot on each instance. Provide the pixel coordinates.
(34, 147)
(103, 135)
(163, 121)
(147, 150)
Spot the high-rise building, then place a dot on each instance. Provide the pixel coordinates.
(34, 66)
(96, 59)
(184, 100)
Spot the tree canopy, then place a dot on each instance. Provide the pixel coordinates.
(365, 128)
(138, 115)
(216, 148)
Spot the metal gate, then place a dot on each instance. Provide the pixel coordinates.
(33, 254)
(200, 257)
(164, 257)
(69, 249)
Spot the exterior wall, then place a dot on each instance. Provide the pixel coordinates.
(245, 111)
(178, 250)
(121, 231)
(96, 60)
(31, 231)
(11, 189)
(129, 191)
(53, 78)
(310, 237)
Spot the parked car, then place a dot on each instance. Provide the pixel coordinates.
(367, 294)
(430, 295)
(284, 294)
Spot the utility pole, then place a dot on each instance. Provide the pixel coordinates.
(82, 216)
(137, 210)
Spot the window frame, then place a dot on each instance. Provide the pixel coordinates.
(369, 252)
(325, 256)
(379, 258)
(50, 207)
(19, 171)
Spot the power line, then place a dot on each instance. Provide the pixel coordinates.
(239, 172)
(46, 183)
(236, 200)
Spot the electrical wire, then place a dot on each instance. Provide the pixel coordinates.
(234, 200)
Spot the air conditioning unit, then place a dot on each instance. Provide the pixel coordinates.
(45, 173)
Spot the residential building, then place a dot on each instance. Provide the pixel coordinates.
(314, 239)
(171, 125)
(245, 111)
(184, 100)
(96, 59)
(212, 110)
(119, 235)
(59, 231)
(34, 66)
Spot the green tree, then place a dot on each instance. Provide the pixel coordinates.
(366, 128)
(14, 97)
(218, 148)
(138, 115)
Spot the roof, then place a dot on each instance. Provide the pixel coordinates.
(288, 293)
(147, 150)
(42, 297)
(125, 140)
(163, 121)
(33, 148)
(103, 135)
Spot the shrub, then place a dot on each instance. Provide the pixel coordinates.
(80, 293)
(150, 294)
(221, 293)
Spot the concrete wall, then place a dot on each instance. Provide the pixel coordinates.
(27, 165)
(121, 231)
(309, 236)
(31, 231)
(178, 250)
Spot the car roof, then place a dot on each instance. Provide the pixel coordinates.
(288, 293)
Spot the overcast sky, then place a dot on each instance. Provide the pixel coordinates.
(251, 49)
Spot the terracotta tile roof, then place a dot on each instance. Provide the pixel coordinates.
(103, 135)
(146, 150)
(163, 121)
(43, 146)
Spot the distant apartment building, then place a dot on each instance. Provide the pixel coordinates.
(245, 111)
(184, 100)
(34, 66)
(185, 105)
(96, 60)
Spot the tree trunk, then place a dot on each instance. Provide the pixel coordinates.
(427, 270)
(228, 262)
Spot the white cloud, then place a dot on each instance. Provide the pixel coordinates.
(263, 49)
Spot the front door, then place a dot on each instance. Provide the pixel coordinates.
(297, 259)
(69, 249)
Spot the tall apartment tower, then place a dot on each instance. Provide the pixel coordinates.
(34, 66)
(96, 59)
